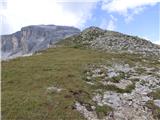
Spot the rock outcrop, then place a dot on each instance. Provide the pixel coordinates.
(33, 38)
(130, 99)
(105, 40)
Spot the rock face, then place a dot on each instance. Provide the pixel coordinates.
(33, 38)
(105, 40)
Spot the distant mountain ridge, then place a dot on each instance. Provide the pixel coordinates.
(33, 38)
(105, 40)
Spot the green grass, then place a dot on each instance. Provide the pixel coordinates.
(103, 111)
(25, 82)
(128, 89)
(140, 70)
(155, 94)
(155, 110)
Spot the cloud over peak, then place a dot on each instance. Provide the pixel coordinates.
(123, 6)
(19, 13)
(15, 14)
(127, 8)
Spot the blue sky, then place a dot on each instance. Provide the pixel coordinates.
(135, 17)
(145, 24)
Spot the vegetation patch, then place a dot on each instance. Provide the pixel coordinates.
(116, 79)
(154, 108)
(103, 111)
(140, 70)
(128, 89)
(155, 95)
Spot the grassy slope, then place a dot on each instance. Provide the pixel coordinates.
(25, 80)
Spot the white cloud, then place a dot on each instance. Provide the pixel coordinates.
(153, 41)
(19, 13)
(110, 25)
(127, 8)
(157, 42)
(79, 1)
(129, 16)
(15, 14)
(144, 37)
(122, 6)
(103, 24)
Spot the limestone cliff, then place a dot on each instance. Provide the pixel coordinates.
(33, 38)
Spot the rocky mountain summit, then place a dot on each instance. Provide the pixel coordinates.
(96, 38)
(33, 38)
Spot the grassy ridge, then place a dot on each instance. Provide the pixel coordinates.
(25, 82)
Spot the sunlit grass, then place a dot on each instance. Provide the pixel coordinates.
(25, 82)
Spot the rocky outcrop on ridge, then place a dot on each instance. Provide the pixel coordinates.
(96, 38)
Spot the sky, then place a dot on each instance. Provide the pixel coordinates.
(134, 17)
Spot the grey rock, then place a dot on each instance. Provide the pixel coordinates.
(129, 106)
(33, 38)
(112, 74)
(89, 115)
(121, 84)
(157, 103)
(53, 89)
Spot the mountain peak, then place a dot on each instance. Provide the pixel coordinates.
(34, 38)
(105, 40)
(93, 28)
